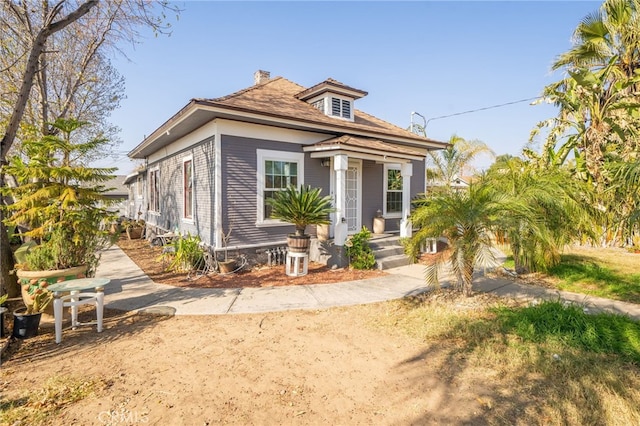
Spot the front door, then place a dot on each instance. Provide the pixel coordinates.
(353, 202)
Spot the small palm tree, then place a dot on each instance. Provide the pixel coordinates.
(465, 219)
(301, 207)
(454, 161)
(556, 213)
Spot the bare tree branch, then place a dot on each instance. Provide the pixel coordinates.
(49, 28)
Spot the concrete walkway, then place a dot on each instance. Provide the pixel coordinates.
(131, 290)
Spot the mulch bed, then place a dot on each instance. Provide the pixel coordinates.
(148, 258)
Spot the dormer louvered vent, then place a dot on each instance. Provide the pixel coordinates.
(341, 108)
(332, 98)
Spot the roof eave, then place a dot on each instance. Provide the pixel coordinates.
(332, 128)
(216, 109)
(320, 151)
(165, 128)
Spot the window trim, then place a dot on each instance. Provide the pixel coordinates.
(265, 155)
(139, 187)
(385, 188)
(342, 99)
(154, 200)
(185, 218)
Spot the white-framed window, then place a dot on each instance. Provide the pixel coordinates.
(139, 186)
(341, 107)
(187, 187)
(392, 190)
(154, 190)
(276, 171)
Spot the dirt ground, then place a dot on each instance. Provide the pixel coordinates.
(334, 366)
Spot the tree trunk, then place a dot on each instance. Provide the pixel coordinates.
(8, 281)
(467, 279)
(50, 27)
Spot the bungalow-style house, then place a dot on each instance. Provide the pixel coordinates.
(210, 167)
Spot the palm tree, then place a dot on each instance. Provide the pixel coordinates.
(454, 161)
(465, 219)
(555, 211)
(301, 207)
(609, 33)
(597, 117)
(598, 125)
(626, 192)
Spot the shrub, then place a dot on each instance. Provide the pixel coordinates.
(359, 252)
(188, 253)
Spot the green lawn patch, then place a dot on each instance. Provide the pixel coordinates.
(552, 322)
(592, 276)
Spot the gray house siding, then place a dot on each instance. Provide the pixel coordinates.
(239, 191)
(372, 180)
(203, 191)
(239, 188)
(418, 179)
(171, 190)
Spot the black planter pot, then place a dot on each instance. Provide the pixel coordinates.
(26, 325)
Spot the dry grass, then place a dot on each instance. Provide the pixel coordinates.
(38, 404)
(547, 382)
(619, 260)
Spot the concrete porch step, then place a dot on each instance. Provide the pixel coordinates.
(393, 262)
(389, 252)
(379, 242)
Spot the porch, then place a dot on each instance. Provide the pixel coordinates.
(387, 248)
(369, 177)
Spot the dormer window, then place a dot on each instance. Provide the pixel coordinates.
(341, 108)
(332, 98)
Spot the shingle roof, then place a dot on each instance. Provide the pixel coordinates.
(277, 97)
(276, 102)
(384, 147)
(116, 185)
(330, 85)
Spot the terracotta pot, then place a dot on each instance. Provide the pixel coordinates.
(298, 243)
(134, 233)
(378, 225)
(322, 231)
(51, 277)
(227, 266)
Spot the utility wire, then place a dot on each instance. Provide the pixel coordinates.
(482, 109)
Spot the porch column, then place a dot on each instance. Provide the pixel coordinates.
(406, 171)
(340, 164)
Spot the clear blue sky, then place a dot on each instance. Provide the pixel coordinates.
(435, 58)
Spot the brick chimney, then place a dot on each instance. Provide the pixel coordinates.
(261, 76)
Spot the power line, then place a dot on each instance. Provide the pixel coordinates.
(482, 109)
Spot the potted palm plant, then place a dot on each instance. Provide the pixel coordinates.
(301, 207)
(60, 202)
